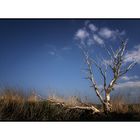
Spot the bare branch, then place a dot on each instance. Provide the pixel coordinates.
(108, 51)
(123, 48)
(112, 51)
(101, 71)
(91, 75)
(127, 69)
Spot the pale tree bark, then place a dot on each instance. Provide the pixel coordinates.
(116, 62)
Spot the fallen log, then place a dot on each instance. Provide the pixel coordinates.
(92, 108)
(85, 108)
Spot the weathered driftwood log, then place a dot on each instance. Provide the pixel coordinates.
(92, 108)
(85, 108)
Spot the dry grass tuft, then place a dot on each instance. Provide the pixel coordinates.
(70, 101)
(119, 104)
(11, 95)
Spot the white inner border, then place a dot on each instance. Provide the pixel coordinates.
(69, 9)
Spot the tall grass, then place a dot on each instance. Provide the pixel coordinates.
(14, 105)
(120, 104)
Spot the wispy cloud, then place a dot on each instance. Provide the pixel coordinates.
(108, 33)
(128, 78)
(129, 89)
(92, 27)
(133, 55)
(51, 49)
(129, 84)
(81, 34)
(51, 52)
(97, 39)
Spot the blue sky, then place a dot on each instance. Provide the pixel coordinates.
(43, 54)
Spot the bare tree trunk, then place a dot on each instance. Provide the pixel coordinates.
(107, 104)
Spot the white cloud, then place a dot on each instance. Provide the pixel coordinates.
(92, 27)
(92, 34)
(128, 78)
(97, 39)
(129, 84)
(133, 55)
(81, 34)
(129, 89)
(106, 33)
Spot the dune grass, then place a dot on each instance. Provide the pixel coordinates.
(15, 106)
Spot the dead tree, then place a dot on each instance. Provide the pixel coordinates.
(115, 63)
